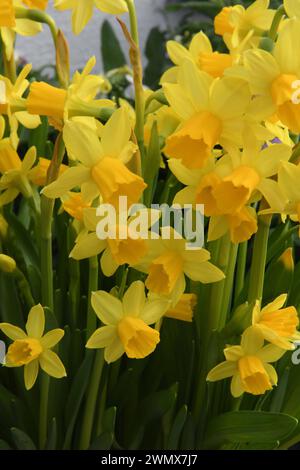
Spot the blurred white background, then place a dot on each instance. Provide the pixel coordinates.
(39, 50)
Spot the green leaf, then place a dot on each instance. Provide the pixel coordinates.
(52, 437)
(155, 52)
(103, 442)
(158, 404)
(111, 51)
(152, 165)
(248, 426)
(177, 428)
(77, 392)
(22, 440)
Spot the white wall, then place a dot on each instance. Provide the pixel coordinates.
(39, 50)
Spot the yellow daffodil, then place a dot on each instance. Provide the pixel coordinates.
(39, 4)
(102, 169)
(200, 52)
(184, 309)
(273, 76)
(278, 325)
(242, 27)
(126, 323)
(82, 10)
(12, 103)
(15, 172)
(288, 182)
(79, 99)
(10, 25)
(38, 174)
(292, 8)
(32, 349)
(210, 112)
(249, 365)
(121, 248)
(168, 261)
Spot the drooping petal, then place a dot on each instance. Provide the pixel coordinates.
(236, 386)
(222, 371)
(30, 373)
(114, 351)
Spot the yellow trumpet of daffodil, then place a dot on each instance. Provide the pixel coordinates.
(168, 262)
(126, 323)
(274, 76)
(32, 349)
(82, 10)
(102, 169)
(211, 112)
(278, 325)
(39, 4)
(249, 365)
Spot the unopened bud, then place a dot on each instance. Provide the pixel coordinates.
(7, 264)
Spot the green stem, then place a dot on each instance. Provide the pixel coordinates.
(93, 286)
(9, 65)
(229, 284)
(24, 288)
(38, 16)
(47, 206)
(276, 22)
(217, 289)
(91, 400)
(135, 55)
(259, 257)
(240, 270)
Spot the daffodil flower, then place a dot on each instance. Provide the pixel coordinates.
(82, 10)
(210, 112)
(11, 102)
(249, 365)
(126, 323)
(102, 169)
(278, 325)
(168, 261)
(10, 25)
(15, 177)
(273, 76)
(242, 27)
(78, 100)
(116, 250)
(32, 349)
(200, 52)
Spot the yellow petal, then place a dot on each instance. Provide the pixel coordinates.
(12, 332)
(30, 373)
(107, 307)
(113, 144)
(222, 371)
(252, 340)
(71, 178)
(36, 322)
(114, 350)
(205, 272)
(89, 245)
(102, 337)
(51, 338)
(52, 365)
(134, 299)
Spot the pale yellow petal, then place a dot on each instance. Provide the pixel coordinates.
(222, 371)
(52, 365)
(12, 332)
(107, 307)
(50, 339)
(134, 299)
(102, 337)
(31, 371)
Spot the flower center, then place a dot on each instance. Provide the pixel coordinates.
(193, 142)
(138, 339)
(253, 375)
(204, 194)
(164, 272)
(23, 351)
